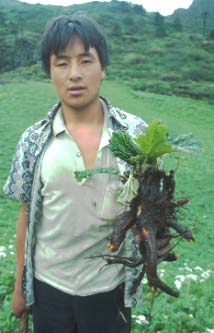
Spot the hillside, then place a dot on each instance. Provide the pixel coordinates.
(198, 17)
(172, 55)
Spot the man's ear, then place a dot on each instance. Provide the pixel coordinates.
(103, 74)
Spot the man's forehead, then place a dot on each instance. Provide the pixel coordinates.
(75, 46)
(64, 53)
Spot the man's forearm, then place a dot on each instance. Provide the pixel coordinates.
(20, 246)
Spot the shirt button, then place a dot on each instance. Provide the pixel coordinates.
(94, 204)
(125, 128)
(78, 154)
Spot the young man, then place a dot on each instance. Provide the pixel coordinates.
(63, 223)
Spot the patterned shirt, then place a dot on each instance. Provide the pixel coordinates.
(24, 183)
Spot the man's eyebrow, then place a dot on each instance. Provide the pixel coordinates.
(86, 54)
(62, 55)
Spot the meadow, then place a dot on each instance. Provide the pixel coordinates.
(22, 103)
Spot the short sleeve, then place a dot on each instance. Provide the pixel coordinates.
(18, 184)
(138, 126)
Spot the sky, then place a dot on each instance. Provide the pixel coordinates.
(165, 7)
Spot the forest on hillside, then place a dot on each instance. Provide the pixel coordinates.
(168, 55)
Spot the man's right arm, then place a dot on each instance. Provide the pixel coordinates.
(18, 303)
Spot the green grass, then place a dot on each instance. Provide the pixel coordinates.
(21, 104)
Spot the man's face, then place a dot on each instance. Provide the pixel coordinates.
(76, 75)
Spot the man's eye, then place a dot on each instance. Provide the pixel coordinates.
(86, 61)
(62, 64)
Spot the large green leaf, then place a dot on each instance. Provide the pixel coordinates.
(123, 146)
(83, 174)
(154, 144)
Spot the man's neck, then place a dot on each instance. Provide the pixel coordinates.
(91, 116)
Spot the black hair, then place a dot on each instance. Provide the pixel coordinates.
(62, 29)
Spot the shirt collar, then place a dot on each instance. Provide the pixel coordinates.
(110, 112)
(58, 123)
(106, 133)
(116, 114)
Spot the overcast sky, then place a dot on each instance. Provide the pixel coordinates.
(165, 7)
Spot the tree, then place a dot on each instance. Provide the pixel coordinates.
(211, 35)
(138, 10)
(204, 16)
(177, 24)
(160, 26)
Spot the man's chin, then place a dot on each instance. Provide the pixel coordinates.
(79, 105)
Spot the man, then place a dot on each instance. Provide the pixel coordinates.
(63, 223)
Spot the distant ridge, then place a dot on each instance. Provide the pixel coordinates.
(149, 52)
(200, 15)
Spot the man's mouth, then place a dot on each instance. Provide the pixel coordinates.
(76, 90)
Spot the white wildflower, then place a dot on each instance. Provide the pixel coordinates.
(205, 275)
(188, 269)
(181, 277)
(2, 251)
(192, 277)
(198, 268)
(161, 272)
(192, 274)
(178, 284)
(140, 319)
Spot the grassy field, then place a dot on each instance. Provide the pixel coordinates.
(21, 104)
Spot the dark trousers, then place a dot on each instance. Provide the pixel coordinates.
(57, 312)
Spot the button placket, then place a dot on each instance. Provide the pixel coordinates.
(75, 153)
(78, 154)
(94, 204)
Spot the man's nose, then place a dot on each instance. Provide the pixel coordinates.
(74, 72)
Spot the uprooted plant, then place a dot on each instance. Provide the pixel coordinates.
(149, 191)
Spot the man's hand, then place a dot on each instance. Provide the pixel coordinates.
(18, 304)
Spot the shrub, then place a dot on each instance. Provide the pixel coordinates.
(155, 50)
(194, 90)
(171, 76)
(202, 73)
(133, 58)
(157, 86)
(34, 72)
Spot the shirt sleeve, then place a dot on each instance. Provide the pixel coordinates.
(18, 184)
